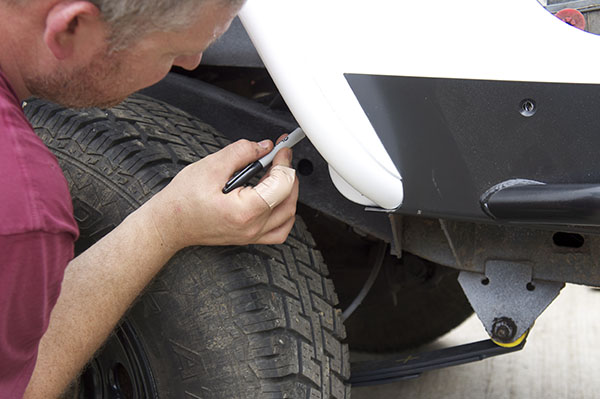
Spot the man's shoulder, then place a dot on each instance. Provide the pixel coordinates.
(34, 194)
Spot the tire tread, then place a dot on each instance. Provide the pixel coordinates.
(284, 305)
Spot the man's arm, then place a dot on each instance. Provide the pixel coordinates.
(100, 284)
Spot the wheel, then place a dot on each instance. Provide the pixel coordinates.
(217, 322)
(412, 302)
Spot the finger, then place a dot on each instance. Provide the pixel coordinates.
(284, 156)
(277, 186)
(283, 212)
(272, 218)
(284, 159)
(279, 234)
(281, 137)
(239, 154)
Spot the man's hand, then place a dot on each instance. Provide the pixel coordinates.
(192, 210)
(101, 283)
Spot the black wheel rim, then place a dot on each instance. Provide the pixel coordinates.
(119, 371)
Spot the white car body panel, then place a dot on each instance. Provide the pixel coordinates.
(309, 45)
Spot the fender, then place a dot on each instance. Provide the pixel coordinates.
(424, 118)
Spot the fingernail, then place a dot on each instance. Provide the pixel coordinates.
(264, 144)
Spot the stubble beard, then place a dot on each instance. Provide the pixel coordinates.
(94, 85)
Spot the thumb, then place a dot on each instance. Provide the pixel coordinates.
(239, 154)
(277, 186)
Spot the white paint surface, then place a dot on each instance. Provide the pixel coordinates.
(308, 45)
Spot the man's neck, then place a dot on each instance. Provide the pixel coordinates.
(15, 78)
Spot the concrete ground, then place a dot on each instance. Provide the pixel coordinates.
(561, 359)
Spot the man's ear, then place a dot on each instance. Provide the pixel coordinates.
(64, 21)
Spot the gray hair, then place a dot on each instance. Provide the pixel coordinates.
(131, 19)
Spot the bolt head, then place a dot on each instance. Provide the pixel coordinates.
(504, 330)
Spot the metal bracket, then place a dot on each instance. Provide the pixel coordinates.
(506, 298)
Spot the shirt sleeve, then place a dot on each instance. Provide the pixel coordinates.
(31, 270)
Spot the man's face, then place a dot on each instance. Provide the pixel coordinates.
(108, 78)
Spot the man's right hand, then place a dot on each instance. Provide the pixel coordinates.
(192, 210)
(102, 282)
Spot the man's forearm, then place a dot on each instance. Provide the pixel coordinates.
(98, 287)
(100, 284)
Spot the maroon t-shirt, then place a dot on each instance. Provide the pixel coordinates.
(37, 233)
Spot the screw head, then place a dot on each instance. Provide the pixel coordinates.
(504, 330)
(527, 107)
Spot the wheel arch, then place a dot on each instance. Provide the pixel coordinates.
(239, 117)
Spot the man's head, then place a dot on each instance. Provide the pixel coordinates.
(97, 52)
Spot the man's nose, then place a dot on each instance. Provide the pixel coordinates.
(189, 62)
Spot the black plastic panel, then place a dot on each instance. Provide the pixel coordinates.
(234, 48)
(453, 139)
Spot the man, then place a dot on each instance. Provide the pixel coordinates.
(83, 53)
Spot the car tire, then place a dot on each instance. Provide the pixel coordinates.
(217, 322)
(407, 311)
(412, 301)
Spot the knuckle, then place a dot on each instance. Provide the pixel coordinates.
(290, 210)
(242, 219)
(293, 210)
(244, 146)
(286, 233)
(247, 226)
(251, 233)
(281, 239)
(243, 143)
(239, 148)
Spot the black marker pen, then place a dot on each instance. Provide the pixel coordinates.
(243, 176)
